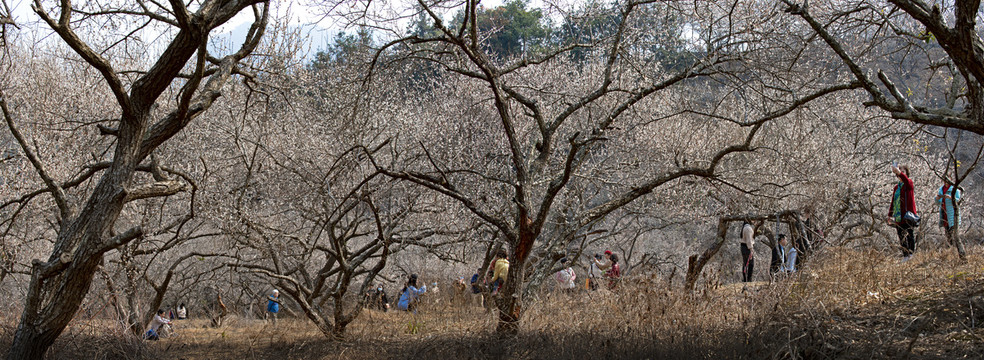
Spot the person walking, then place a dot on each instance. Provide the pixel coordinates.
(605, 262)
(476, 287)
(377, 299)
(410, 295)
(903, 204)
(948, 197)
(747, 253)
(273, 305)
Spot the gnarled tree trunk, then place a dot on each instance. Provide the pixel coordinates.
(696, 264)
(59, 284)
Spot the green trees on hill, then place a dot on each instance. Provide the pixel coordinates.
(346, 48)
(515, 29)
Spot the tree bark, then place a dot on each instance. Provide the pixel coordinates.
(510, 300)
(133, 319)
(24, 342)
(695, 265)
(59, 285)
(45, 317)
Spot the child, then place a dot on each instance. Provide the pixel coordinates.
(154, 330)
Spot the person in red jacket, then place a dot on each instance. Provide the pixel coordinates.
(903, 201)
(614, 273)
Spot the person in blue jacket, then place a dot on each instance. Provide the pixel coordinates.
(947, 197)
(410, 295)
(273, 305)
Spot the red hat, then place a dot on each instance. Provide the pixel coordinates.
(608, 252)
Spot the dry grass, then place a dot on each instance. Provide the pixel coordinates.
(848, 304)
(84, 339)
(867, 305)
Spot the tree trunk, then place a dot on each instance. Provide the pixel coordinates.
(59, 284)
(801, 240)
(327, 328)
(133, 319)
(155, 304)
(114, 295)
(50, 305)
(340, 320)
(338, 331)
(220, 312)
(539, 274)
(695, 265)
(510, 299)
(955, 235)
(27, 344)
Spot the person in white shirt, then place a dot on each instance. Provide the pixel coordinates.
(747, 253)
(182, 312)
(566, 277)
(154, 329)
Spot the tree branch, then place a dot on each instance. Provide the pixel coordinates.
(64, 30)
(178, 119)
(57, 192)
(155, 189)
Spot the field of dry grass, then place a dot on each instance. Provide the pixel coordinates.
(847, 304)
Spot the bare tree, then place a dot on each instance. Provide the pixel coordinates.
(558, 126)
(953, 169)
(696, 263)
(947, 34)
(6, 256)
(5, 19)
(328, 247)
(308, 214)
(85, 233)
(942, 39)
(159, 265)
(337, 259)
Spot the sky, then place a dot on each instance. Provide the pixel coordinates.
(306, 15)
(299, 15)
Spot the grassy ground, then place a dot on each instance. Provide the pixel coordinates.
(879, 307)
(847, 304)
